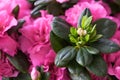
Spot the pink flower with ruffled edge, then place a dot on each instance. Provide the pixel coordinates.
(6, 21)
(6, 69)
(35, 39)
(97, 10)
(57, 73)
(8, 45)
(9, 5)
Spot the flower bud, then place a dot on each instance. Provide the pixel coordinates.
(35, 75)
(81, 32)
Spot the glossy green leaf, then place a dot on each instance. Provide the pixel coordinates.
(35, 12)
(83, 57)
(20, 61)
(41, 2)
(65, 55)
(44, 75)
(98, 66)
(85, 12)
(106, 27)
(16, 11)
(56, 42)
(92, 50)
(77, 72)
(106, 46)
(21, 76)
(61, 28)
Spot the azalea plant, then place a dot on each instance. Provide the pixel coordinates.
(59, 40)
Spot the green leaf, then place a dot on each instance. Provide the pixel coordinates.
(61, 28)
(65, 55)
(43, 75)
(35, 12)
(95, 38)
(72, 39)
(106, 46)
(92, 50)
(4, 78)
(98, 66)
(78, 72)
(16, 11)
(86, 21)
(73, 31)
(87, 13)
(21, 76)
(20, 61)
(41, 2)
(106, 27)
(87, 37)
(83, 57)
(55, 8)
(56, 42)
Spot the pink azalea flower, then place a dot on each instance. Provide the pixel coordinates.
(35, 39)
(9, 5)
(57, 73)
(6, 70)
(97, 10)
(62, 1)
(8, 45)
(6, 21)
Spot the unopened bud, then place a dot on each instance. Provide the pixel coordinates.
(35, 75)
(81, 32)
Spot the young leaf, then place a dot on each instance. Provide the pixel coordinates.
(106, 46)
(78, 72)
(73, 31)
(98, 66)
(106, 27)
(56, 42)
(87, 13)
(72, 39)
(61, 28)
(65, 55)
(87, 37)
(20, 61)
(92, 50)
(83, 57)
(16, 11)
(95, 38)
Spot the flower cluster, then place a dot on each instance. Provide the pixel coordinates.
(27, 35)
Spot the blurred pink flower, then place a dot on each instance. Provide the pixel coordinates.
(6, 69)
(62, 1)
(8, 45)
(97, 10)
